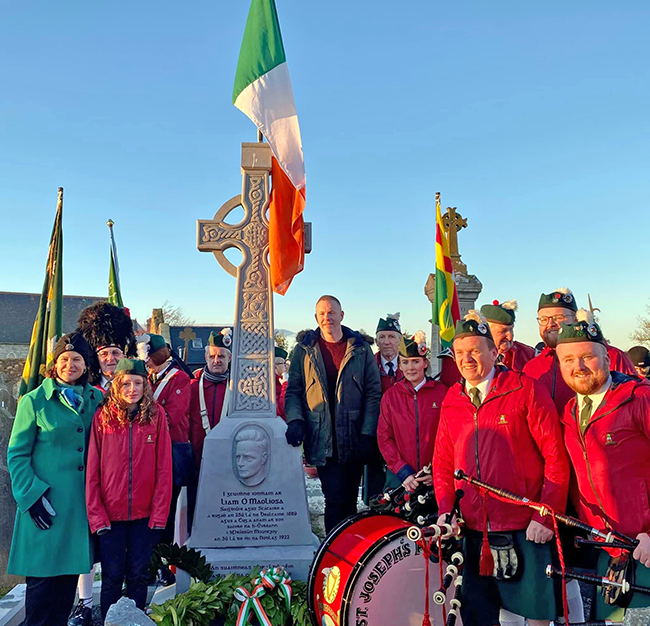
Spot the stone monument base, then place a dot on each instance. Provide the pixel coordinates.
(252, 504)
(295, 559)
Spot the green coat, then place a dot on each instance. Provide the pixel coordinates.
(47, 453)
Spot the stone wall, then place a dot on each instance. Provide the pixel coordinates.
(10, 373)
(13, 351)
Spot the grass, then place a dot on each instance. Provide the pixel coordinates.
(4, 591)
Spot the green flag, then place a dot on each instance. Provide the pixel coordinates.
(114, 291)
(48, 324)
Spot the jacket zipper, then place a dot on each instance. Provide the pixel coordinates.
(583, 442)
(130, 465)
(417, 430)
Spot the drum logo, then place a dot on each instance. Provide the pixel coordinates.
(331, 583)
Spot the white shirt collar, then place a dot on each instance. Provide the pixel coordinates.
(597, 398)
(104, 383)
(483, 386)
(384, 363)
(420, 384)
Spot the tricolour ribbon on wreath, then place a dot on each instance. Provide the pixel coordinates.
(251, 602)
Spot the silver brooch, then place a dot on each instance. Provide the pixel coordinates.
(482, 328)
(69, 347)
(592, 330)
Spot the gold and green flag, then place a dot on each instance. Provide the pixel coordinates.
(114, 289)
(446, 311)
(48, 324)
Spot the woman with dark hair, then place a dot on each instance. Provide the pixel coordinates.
(46, 458)
(129, 483)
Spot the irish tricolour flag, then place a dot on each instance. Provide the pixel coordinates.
(263, 92)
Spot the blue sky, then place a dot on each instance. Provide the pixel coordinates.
(531, 118)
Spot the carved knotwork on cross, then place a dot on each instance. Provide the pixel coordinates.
(453, 222)
(252, 349)
(186, 335)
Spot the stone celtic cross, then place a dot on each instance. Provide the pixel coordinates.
(252, 381)
(452, 222)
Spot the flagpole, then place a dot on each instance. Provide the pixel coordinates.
(114, 287)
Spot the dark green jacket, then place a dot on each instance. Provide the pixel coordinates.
(47, 456)
(358, 393)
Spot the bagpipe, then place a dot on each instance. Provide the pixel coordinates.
(449, 551)
(617, 586)
(419, 504)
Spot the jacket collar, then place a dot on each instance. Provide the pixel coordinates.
(353, 338)
(50, 388)
(504, 381)
(406, 387)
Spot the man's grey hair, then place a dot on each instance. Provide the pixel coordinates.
(207, 349)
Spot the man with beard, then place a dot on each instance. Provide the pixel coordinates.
(554, 309)
(501, 320)
(607, 434)
(209, 390)
(332, 404)
(501, 426)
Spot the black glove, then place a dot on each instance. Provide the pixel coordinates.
(40, 516)
(295, 433)
(366, 448)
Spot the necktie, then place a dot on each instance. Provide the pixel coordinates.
(476, 396)
(391, 369)
(585, 414)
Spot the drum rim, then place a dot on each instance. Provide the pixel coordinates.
(336, 531)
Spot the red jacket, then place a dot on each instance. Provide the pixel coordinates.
(612, 459)
(513, 441)
(408, 422)
(387, 381)
(518, 356)
(175, 399)
(214, 396)
(280, 391)
(129, 473)
(546, 369)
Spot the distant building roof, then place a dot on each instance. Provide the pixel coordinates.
(18, 311)
(196, 348)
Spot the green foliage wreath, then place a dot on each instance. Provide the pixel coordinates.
(210, 597)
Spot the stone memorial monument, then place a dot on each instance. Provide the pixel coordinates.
(468, 286)
(251, 505)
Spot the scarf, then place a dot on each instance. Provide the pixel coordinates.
(71, 394)
(214, 378)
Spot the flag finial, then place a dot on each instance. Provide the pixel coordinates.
(110, 223)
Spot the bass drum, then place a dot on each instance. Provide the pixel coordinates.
(368, 573)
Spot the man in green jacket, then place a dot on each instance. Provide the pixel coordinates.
(332, 405)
